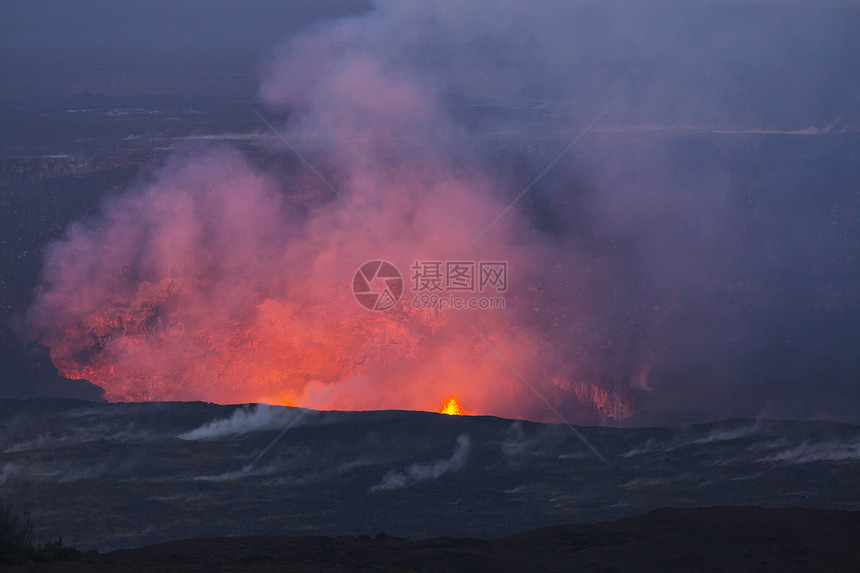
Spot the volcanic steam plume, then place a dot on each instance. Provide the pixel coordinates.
(218, 279)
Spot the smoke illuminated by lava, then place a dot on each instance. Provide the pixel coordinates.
(672, 187)
(204, 284)
(212, 282)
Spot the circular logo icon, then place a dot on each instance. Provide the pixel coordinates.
(377, 285)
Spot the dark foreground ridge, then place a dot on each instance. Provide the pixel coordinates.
(123, 476)
(690, 539)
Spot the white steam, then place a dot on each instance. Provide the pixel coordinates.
(807, 452)
(417, 473)
(256, 418)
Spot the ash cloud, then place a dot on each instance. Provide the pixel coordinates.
(655, 270)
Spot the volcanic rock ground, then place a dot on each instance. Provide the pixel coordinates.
(124, 475)
(704, 539)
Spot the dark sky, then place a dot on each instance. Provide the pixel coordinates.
(183, 35)
(759, 58)
(113, 32)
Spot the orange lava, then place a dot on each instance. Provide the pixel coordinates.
(452, 407)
